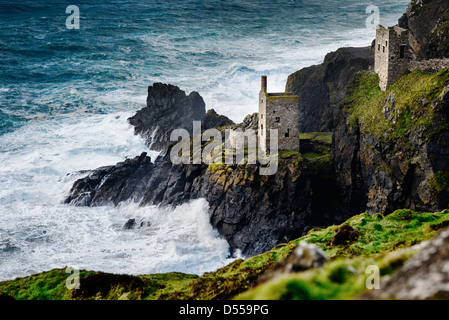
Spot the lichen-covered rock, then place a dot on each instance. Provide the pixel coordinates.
(424, 276)
(251, 121)
(305, 256)
(382, 167)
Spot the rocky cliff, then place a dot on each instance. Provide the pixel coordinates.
(392, 148)
(168, 108)
(322, 87)
(214, 120)
(428, 21)
(390, 151)
(253, 212)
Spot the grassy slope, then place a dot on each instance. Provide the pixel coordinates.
(414, 93)
(381, 242)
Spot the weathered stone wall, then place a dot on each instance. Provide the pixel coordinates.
(381, 55)
(262, 135)
(430, 66)
(282, 113)
(392, 54)
(398, 61)
(243, 139)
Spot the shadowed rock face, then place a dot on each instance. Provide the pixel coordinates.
(214, 120)
(322, 87)
(428, 20)
(168, 108)
(375, 176)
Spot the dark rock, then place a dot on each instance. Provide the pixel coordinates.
(428, 20)
(253, 213)
(376, 176)
(213, 120)
(102, 283)
(168, 108)
(113, 184)
(145, 224)
(322, 87)
(344, 235)
(131, 223)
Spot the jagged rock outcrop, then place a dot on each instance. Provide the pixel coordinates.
(168, 108)
(124, 181)
(428, 20)
(322, 87)
(214, 120)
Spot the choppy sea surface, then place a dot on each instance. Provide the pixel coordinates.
(65, 95)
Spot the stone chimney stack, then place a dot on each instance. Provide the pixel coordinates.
(263, 86)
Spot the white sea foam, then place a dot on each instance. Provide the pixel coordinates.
(41, 237)
(38, 232)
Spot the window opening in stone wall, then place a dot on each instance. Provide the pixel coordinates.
(287, 133)
(402, 51)
(278, 119)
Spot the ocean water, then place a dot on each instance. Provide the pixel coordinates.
(65, 96)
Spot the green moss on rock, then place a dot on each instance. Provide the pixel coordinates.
(382, 240)
(392, 123)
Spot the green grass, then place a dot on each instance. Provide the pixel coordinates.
(414, 93)
(381, 241)
(340, 279)
(380, 238)
(43, 286)
(287, 154)
(323, 137)
(312, 155)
